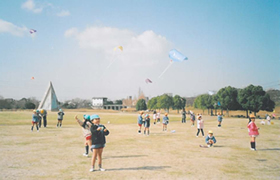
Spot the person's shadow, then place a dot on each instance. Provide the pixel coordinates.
(151, 168)
(269, 149)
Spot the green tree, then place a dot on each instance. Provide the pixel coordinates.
(254, 98)
(141, 105)
(200, 102)
(165, 102)
(178, 102)
(29, 105)
(228, 99)
(152, 103)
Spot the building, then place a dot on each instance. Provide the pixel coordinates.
(99, 102)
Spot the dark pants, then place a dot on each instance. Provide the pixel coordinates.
(198, 130)
(183, 119)
(45, 121)
(40, 122)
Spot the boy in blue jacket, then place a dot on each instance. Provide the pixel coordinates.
(210, 139)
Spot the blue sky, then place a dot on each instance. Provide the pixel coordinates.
(228, 43)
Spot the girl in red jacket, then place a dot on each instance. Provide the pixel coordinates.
(253, 131)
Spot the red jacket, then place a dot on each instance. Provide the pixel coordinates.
(253, 129)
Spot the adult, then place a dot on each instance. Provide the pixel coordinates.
(44, 113)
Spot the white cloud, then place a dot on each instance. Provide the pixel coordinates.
(31, 6)
(146, 48)
(7, 27)
(63, 13)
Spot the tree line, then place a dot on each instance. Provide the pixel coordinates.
(250, 99)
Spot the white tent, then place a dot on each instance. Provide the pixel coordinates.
(49, 101)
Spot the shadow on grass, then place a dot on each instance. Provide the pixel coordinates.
(218, 146)
(269, 149)
(128, 156)
(151, 168)
(261, 159)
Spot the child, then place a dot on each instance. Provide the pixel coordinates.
(210, 139)
(158, 117)
(60, 118)
(147, 124)
(200, 126)
(220, 119)
(98, 132)
(86, 124)
(140, 121)
(165, 121)
(155, 117)
(192, 118)
(35, 120)
(184, 116)
(253, 132)
(268, 119)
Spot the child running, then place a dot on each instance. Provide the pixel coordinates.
(253, 132)
(59, 118)
(35, 120)
(200, 126)
(98, 132)
(147, 124)
(86, 125)
(165, 121)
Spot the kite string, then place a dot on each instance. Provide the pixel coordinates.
(112, 60)
(166, 69)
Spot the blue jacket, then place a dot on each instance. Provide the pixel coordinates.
(35, 118)
(210, 138)
(140, 119)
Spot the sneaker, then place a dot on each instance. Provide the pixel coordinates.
(101, 169)
(37, 130)
(209, 146)
(91, 170)
(196, 136)
(253, 149)
(85, 154)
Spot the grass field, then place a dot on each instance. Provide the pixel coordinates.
(56, 153)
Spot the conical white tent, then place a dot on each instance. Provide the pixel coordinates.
(49, 101)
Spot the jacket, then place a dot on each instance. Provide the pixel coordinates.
(98, 137)
(253, 129)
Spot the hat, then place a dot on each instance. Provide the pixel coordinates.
(34, 110)
(94, 116)
(147, 115)
(141, 112)
(210, 132)
(166, 114)
(252, 116)
(87, 117)
(60, 110)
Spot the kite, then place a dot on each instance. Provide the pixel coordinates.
(148, 81)
(175, 56)
(118, 47)
(32, 78)
(113, 59)
(32, 31)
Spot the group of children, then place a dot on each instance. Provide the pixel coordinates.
(40, 114)
(94, 134)
(145, 121)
